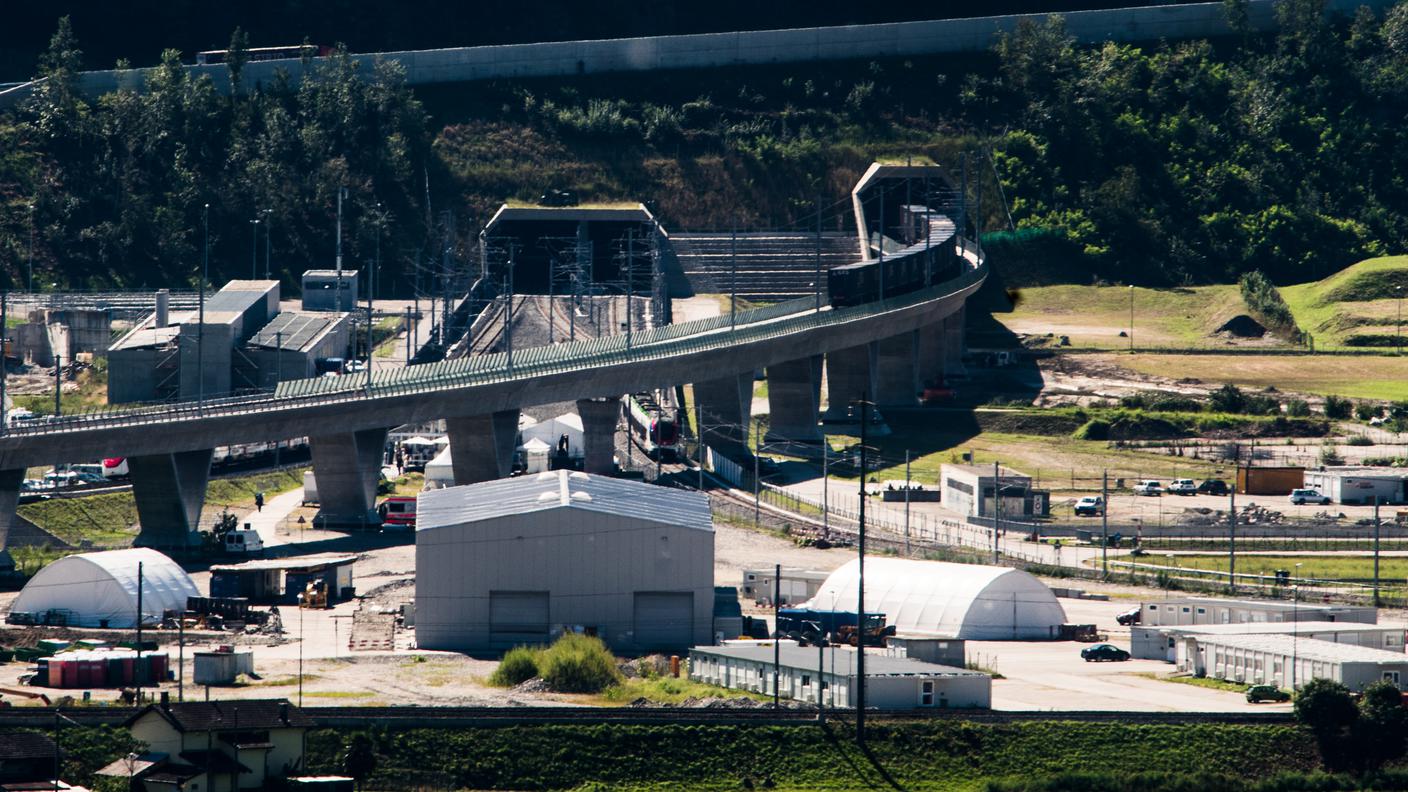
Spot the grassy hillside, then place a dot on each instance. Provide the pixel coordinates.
(1355, 307)
(1094, 316)
(920, 755)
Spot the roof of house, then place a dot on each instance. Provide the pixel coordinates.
(296, 330)
(561, 489)
(195, 716)
(25, 745)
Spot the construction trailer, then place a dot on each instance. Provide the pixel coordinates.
(280, 581)
(1211, 610)
(1288, 661)
(794, 586)
(1269, 480)
(827, 676)
(1161, 642)
(1357, 485)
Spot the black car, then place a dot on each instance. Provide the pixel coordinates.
(1130, 616)
(1100, 652)
(1213, 487)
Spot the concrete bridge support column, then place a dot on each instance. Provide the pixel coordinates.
(897, 378)
(850, 375)
(482, 446)
(953, 344)
(346, 468)
(726, 407)
(794, 399)
(600, 418)
(170, 491)
(930, 344)
(10, 481)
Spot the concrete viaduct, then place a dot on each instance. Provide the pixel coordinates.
(883, 349)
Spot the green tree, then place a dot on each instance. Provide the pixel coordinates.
(360, 760)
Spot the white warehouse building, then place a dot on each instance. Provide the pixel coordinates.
(943, 600)
(1161, 643)
(521, 560)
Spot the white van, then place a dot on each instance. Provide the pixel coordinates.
(243, 542)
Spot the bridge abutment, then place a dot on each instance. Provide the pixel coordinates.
(794, 401)
(600, 418)
(726, 405)
(482, 446)
(170, 491)
(347, 467)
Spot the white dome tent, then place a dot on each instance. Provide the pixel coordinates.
(100, 589)
(939, 599)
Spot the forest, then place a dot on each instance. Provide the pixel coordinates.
(1163, 164)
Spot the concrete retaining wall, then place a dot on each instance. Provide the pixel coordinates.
(897, 39)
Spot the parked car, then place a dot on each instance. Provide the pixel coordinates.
(1213, 487)
(1183, 487)
(1149, 487)
(1300, 497)
(1258, 693)
(1100, 652)
(1131, 616)
(1090, 506)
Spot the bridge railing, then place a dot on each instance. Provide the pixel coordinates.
(670, 341)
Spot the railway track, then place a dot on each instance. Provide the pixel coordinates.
(415, 716)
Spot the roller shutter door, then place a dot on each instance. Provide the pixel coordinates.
(517, 617)
(664, 620)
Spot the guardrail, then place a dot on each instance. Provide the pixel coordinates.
(669, 341)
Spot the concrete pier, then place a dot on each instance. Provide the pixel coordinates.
(953, 344)
(931, 347)
(600, 417)
(347, 467)
(170, 492)
(482, 446)
(726, 405)
(897, 376)
(10, 481)
(794, 401)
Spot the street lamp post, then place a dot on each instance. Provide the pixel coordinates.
(254, 249)
(268, 242)
(29, 287)
(1131, 319)
(1398, 325)
(200, 320)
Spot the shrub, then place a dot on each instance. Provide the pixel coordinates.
(1367, 411)
(1330, 456)
(519, 665)
(1265, 300)
(1337, 407)
(1094, 429)
(1229, 399)
(1359, 440)
(578, 664)
(1297, 408)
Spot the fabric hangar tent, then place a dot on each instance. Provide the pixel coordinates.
(100, 589)
(939, 599)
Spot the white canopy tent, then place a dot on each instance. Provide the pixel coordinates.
(100, 589)
(440, 471)
(551, 430)
(935, 598)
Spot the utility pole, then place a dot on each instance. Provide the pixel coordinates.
(757, 484)
(733, 278)
(409, 333)
(341, 193)
(777, 633)
(1105, 523)
(29, 289)
(1232, 524)
(818, 265)
(906, 502)
(630, 281)
(699, 440)
(860, 576)
(880, 270)
(1376, 551)
(58, 385)
(268, 231)
(138, 675)
(200, 320)
(508, 305)
(825, 489)
(996, 508)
